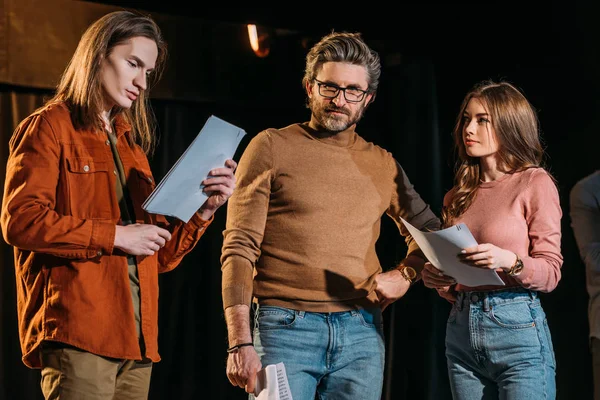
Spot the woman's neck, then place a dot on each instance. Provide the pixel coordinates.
(489, 171)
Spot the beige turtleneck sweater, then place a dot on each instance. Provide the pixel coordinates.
(304, 219)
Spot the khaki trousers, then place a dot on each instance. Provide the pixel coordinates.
(72, 374)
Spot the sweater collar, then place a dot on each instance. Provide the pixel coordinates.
(345, 138)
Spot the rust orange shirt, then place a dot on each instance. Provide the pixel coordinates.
(59, 212)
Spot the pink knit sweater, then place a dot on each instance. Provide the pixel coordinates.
(520, 212)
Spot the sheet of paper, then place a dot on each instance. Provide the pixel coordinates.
(272, 383)
(441, 249)
(179, 194)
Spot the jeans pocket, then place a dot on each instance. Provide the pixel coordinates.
(270, 317)
(371, 318)
(512, 315)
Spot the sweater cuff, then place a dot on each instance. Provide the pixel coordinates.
(237, 281)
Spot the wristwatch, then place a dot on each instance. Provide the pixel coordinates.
(516, 268)
(408, 273)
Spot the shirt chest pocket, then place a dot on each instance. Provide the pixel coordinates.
(145, 183)
(90, 188)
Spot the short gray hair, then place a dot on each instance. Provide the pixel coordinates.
(343, 47)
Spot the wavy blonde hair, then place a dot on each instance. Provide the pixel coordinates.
(517, 132)
(80, 86)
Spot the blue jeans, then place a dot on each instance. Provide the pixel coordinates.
(337, 355)
(498, 346)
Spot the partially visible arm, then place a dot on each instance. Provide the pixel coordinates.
(409, 205)
(585, 221)
(242, 363)
(543, 215)
(246, 218)
(405, 203)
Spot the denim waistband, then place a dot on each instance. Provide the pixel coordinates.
(488, 299)
(373, 313)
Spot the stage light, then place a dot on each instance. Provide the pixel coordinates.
(259, 40)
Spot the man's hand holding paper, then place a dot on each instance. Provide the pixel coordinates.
(218, 186)
(202, 178)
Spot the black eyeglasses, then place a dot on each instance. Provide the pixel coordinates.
(351, 94)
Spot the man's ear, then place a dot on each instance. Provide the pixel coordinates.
(370, 99)
(309, 88)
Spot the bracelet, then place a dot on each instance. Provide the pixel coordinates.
(237, 346)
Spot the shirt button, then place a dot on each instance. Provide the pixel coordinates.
(474, 298)
(86, 168)
(107, 142)
(115, 171)
(99, 253)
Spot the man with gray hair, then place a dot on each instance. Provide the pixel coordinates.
(299, 244)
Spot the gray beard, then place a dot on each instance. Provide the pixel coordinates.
(333, 123)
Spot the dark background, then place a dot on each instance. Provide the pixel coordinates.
(432, 53)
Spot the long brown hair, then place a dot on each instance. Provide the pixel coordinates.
(517, 133)
(80, 86)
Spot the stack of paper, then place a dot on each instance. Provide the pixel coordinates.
(272, 383)
(179, 194)
(442, 248)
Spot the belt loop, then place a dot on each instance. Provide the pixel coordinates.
(459, 301)
(532, 294)
(486, 302)
(301, 313)
(255, 307)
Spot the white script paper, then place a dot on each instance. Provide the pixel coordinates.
(179, 194)
(272, 383)
(442, 248)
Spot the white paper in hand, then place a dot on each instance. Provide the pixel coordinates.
(442, 248)
(179, 194)
(272, 383)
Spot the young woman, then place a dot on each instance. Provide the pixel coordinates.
(498, 344)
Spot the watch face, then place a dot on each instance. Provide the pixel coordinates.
(519, 266)
(410, 272)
